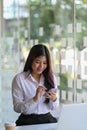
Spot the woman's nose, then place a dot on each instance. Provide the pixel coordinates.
(41, 64)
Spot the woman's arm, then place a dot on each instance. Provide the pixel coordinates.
(19, 103)
(54, 96)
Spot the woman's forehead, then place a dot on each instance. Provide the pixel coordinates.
(41, 57)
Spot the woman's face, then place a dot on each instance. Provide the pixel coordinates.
(39, 65)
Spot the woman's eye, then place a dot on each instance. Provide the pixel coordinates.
(45, 63)
(37, 62)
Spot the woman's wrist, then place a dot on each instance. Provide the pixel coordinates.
(35, 99)
(54, 99)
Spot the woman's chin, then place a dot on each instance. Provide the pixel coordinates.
(39, 72)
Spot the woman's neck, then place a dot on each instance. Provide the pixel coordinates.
(36, 76)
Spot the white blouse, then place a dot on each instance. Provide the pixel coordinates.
(24, 89)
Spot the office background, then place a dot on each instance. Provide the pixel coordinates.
(62, 26)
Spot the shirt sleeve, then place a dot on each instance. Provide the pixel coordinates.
(19, 104)
(54, 104)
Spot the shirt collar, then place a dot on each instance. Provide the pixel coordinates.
(28, 75)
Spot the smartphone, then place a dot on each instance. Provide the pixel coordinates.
(53, 89)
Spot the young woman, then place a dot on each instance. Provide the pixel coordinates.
(34, 90)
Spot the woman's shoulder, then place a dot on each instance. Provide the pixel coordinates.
(55, 80)
(21, 75)
(54, 76)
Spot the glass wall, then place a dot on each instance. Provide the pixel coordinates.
(59, 24)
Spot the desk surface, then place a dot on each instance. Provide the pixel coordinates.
(51, 126)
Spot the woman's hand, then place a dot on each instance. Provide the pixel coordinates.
(52, 95)
(40, 91)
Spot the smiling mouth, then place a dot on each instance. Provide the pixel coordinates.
(40, 70)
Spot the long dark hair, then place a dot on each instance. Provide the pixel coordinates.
(36, 51)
